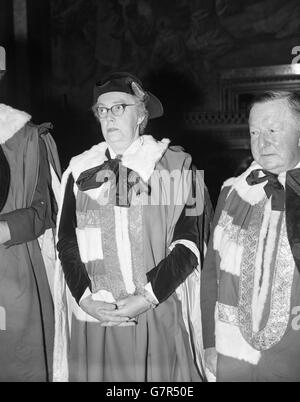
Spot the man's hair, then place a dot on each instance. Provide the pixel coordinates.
(292, 98)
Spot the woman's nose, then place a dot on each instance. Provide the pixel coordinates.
(110, 115)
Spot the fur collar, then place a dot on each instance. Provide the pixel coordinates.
(141, 157)
(251, 194)
(11, 121)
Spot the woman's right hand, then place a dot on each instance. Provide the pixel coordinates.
(101, 311)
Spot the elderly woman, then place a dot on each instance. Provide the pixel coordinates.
(130, 242)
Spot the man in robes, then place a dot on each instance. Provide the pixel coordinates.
(29, 167)
(251, 281)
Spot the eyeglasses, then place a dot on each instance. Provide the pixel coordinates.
(117, 110)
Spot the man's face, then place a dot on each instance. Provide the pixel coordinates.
(119, 131)
(274, 136)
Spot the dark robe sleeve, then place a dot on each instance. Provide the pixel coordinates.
(177, 266)
(27, 224)
(172, 271)
(209, 281)
(74, 269)
(205, 221)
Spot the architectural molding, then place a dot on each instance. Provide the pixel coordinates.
(238, 86)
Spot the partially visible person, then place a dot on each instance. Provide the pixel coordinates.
(251, 276)
(28, 167)
(243, 165)
(131, 237)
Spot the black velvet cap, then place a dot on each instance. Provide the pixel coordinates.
(122, 82)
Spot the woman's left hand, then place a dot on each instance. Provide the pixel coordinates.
(132, 306)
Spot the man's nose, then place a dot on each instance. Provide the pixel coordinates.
(264, 140)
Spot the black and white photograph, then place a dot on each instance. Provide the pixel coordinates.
(149, 194)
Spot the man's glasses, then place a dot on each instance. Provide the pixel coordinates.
(117, 110)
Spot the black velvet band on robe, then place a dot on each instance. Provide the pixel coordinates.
(172, 271)
(4, 179)
(177, 266)
(74, 269)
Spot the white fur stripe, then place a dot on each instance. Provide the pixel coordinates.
(230, 342)
(230, 252)
(100, 194)
(62, 327)
(141, 156)
(188, 293)
(148, 288)
(218, 235)
(90, 244)
(231, 259)
(250, 194)
(204, 248)
(11, 121)
(88, 159)
(123, 247)
(229, 182)
(269, 231)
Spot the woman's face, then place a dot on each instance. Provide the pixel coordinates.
(119, 131)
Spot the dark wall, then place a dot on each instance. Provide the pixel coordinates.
(40, 57)
(177, 47)
(7, 85)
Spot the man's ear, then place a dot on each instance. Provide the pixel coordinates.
(141, 118)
